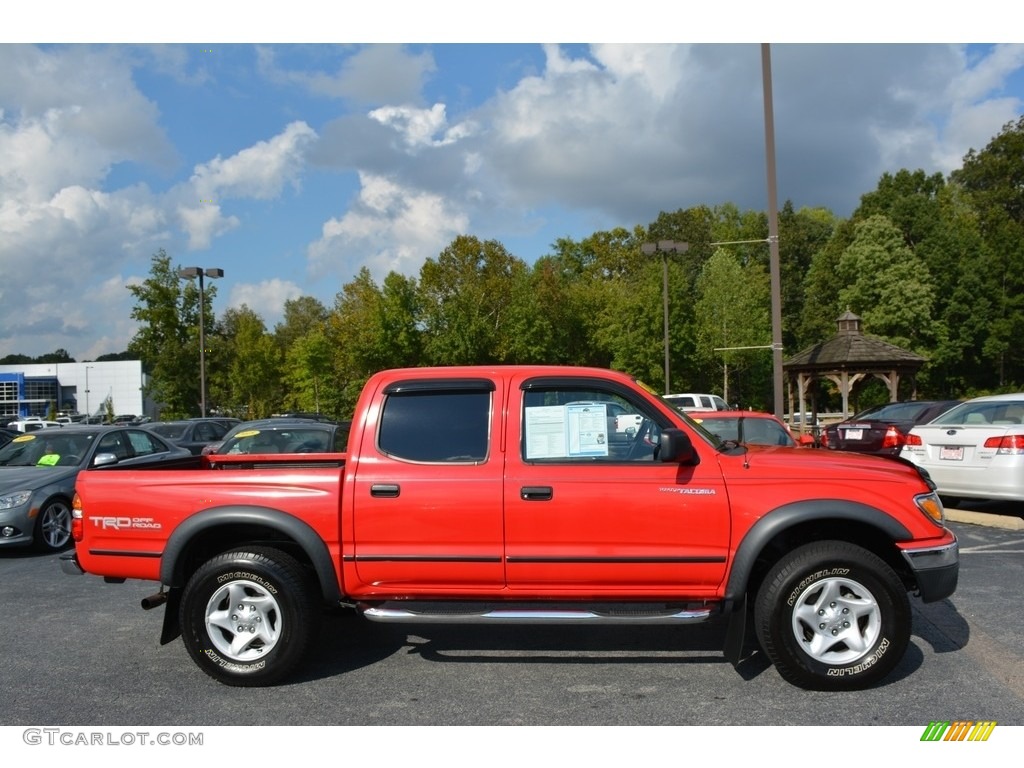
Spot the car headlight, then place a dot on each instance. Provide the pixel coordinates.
(16, 499)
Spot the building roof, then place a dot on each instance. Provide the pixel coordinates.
(852, 349)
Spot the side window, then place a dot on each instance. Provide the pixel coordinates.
(706, 403)
(143, 443)
(435, 425)
(114, 443)
(587, 425)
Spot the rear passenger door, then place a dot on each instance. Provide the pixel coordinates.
(427, 489)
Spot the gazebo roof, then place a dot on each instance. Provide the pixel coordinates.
(850, 349)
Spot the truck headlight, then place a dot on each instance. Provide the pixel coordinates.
(931, 505)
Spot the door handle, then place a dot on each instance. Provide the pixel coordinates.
(385, 490)
(536, 493)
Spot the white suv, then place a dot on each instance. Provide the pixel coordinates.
(689, 402)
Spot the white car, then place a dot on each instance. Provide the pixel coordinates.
(975, 450)
(32, 424)
(697, 402)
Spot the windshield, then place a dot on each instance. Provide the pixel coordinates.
(40, 449)
(292, 440)
(1001, 412)
(892, 412)
(172, 431)
(752, 431)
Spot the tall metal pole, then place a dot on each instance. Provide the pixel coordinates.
(188, 273)
(665, 247)
(664, 280)
(773, 227)
(202, 350)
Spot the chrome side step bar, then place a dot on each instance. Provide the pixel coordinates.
(398, 612)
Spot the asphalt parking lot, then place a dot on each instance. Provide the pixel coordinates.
(79, 651)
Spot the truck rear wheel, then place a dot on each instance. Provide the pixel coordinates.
(247, 617)
(832, 616)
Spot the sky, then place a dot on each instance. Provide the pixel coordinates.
(292, 152)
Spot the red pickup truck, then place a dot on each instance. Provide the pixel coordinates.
(527, 494)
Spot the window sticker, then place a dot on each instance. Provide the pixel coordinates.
(567, 431)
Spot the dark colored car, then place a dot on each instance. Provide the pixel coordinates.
(6, 435)
(194, 434)
(882, 430)
(38, 472)
(282, 435)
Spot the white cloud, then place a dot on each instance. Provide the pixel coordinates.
(389, 228)
(259, 171)
(377, 74)
(266, 298)
(203, 222)
(419, 127)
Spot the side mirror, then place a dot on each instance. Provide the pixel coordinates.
(104, 459)
(676, 446)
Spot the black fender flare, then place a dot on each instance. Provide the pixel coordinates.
(788, 515)
(171, 562)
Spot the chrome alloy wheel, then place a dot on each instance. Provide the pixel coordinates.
(836, 620)
(243, 620)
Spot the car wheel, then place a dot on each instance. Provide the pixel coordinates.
(832, 616)
(247, 617)
(53, 526)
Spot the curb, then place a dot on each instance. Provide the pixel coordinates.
(1008, 522)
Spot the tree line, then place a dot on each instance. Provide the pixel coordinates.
(932, 264)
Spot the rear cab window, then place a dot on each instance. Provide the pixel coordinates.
(436, 420)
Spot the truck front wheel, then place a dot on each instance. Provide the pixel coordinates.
(832, 616)
(247, 617)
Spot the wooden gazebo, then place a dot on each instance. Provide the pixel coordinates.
(846, 359)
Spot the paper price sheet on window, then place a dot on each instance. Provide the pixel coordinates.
(567, 431)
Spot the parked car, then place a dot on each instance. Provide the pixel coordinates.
(748, 427)
(882, 430)
(697, 402)
(194, 434)
(975, 450)
(38, 472)
(281, 435)
(6, 435)
(32, 424)
(227, 421)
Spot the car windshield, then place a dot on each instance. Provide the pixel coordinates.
(170, 430)
(892, 412)
(1001, 412)
(291, 440)
(744, 429)
(39, 449)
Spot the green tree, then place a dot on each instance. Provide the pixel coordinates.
(467, 296)
(733, 309)
(301, 316)
(167, 341)
(307, 374)
(251, 385)
(887, 285)
(993, 178)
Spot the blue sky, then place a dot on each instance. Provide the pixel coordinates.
(335, 143)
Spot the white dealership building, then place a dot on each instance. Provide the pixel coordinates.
(32, 389)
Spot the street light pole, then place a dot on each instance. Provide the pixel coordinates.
(664, 247)
(87, 414)
(188, 273)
